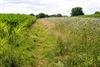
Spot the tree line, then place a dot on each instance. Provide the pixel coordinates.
(43, 15)
(77, 11)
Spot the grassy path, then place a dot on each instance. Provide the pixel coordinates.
(64, 42)
(45, 44)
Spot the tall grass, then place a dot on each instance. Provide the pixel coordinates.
(78, 42)
(71, 42)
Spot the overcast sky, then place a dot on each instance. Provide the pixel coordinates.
(48, 6)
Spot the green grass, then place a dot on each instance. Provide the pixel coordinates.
(92, 16)
(77, 42)
(69, 42)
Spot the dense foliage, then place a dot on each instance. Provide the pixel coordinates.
(56, 15)
(97, 12)
(42, 15)
(77, 11)
(50, 42)
(16, 44)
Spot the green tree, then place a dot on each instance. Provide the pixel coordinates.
(32, 14)
(56, 15)
(42, 15)
(97, 12)
(77, 11)
(59, 15)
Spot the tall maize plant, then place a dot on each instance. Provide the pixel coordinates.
(15, 42)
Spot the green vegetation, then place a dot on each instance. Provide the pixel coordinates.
(42, 15)
(92, 16)
(78, 42)
(49, 42)
(77, 11)
(16, 43)
(97, 12)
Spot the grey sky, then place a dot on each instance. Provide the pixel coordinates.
(48, 6)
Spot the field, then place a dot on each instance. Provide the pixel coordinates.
(16, 44)
(76, 42)
(92, 16)
(49, 42)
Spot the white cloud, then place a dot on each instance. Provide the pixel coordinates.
(48, 6)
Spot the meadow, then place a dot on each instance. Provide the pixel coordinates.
(49, 42)
(78, 42)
